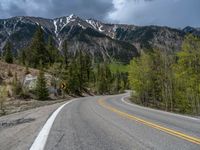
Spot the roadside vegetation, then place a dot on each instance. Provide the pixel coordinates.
(59, 73)
(169, 81)
(159, 78)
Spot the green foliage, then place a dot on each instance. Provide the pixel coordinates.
(22, 57)
(118, 67)
(151, 77)
(41, 87)
(65, 53)
(187, 75)
(8, 53)
(37, 54)
(139, 76)
(104, 78)
(80, 70)
(74, 82)
(53, 52)
(159, 79)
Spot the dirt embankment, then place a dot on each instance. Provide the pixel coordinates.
(12, 104)
(14, 68)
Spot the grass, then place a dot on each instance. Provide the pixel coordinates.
(118, 67)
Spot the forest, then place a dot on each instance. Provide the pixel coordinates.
(168, 80)
(73, 73)
(159, 78)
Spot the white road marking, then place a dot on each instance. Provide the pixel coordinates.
(160, 111)
(41, 139)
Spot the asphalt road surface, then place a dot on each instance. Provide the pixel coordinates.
(110, 123)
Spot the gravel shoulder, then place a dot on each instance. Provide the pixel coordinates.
(18, 130)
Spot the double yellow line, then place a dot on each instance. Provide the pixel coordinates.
(150, 124)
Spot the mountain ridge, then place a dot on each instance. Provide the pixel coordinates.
(101, 40)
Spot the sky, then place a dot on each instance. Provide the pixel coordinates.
(173, 13)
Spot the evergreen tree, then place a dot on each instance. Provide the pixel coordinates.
(22, 57)
(41, 87)
(65, 53)
(104, 79)
(73, 81)
(38, 55)
(83, 62)
(52, 50)
(79, 71)
(8, 53)
(117, 83)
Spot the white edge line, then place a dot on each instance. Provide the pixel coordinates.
(160, 111)
(41, 139)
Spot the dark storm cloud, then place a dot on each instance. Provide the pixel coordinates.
(15, 9)
(84, 8)
(174, 13)
(56, 8)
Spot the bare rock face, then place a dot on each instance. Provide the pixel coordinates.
(30, 81)
(101, 40)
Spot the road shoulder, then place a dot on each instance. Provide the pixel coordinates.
(18, 131)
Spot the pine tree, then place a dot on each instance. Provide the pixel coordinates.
(65, 53)
(52, 50)
(104, 79)
(8, 53)
(74, 78)
(117, 83)
(38, 55)
(41, 87)
(22, 57)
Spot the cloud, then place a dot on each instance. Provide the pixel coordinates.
(174, 13)
(55, 8)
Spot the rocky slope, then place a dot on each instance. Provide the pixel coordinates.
(101, 40)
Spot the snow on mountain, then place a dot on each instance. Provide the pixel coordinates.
(95, 24)
(56, 28)
(91, 33)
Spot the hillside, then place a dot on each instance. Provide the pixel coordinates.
(103, 41)
(14, 68)
(14, 104)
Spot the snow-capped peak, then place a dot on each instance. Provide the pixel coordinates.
(71, 16)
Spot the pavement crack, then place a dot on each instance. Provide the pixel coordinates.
(11, 123)
(59, 140)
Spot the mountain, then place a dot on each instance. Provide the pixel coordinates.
(191, 30)
(102, 40)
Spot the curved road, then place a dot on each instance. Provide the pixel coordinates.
(110, 123)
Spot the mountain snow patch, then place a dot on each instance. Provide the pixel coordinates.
(56, 27)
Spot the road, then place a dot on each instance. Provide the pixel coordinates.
(110, 123)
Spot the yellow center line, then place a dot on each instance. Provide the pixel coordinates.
(150, 124)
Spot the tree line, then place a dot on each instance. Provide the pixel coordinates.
(168, 80)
